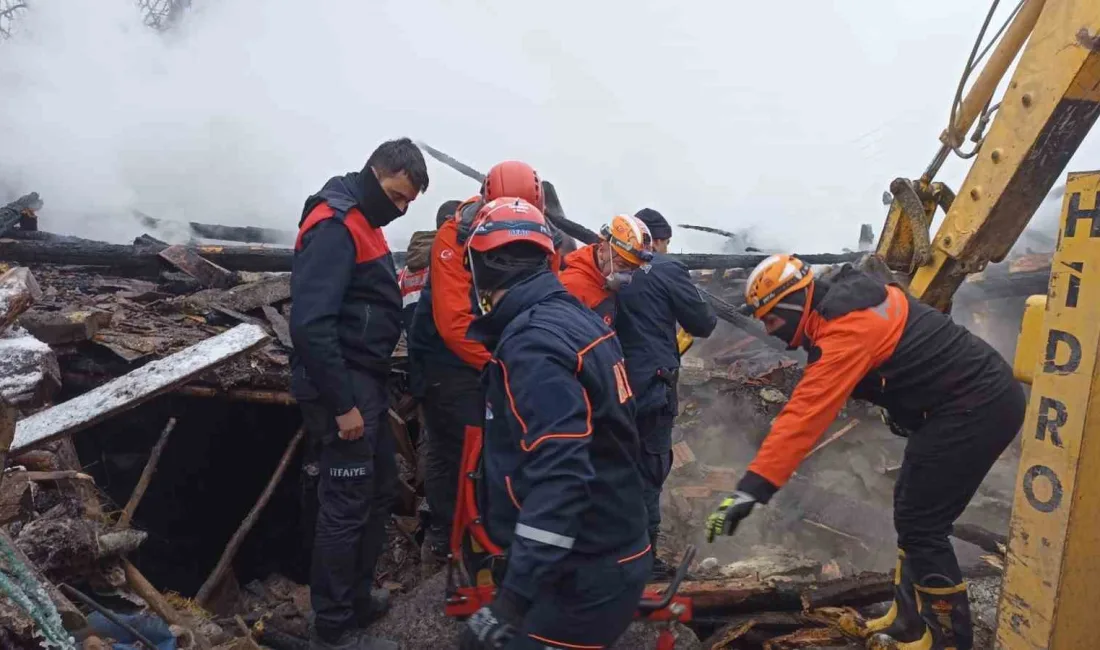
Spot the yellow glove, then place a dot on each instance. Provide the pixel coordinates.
(724, 520)
(684, 341)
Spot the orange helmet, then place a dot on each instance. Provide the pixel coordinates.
(629, 238)
(507, 221)
(515, 179)
(772, 280)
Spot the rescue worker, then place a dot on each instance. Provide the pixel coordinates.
(414, 275)
(594, 273)
(948, 391)
(451, 361)
(659, 296)
(345, 324)
(561, 490)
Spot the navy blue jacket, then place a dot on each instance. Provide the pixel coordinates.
(561, 448)
(346, 312)
(648, 309)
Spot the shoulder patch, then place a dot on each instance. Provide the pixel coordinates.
(446, 254)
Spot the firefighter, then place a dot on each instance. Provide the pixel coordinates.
(659, 296)
(594, 273)
(451, 360)
(345, 324)
(561, 489)
(414, 275)
(946, 390)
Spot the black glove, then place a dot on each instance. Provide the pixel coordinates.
(494, 625)
(895, 428)
(729, 514)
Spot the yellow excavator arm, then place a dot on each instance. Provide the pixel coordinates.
(1049, 105)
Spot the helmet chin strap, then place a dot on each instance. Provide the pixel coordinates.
(794, 328)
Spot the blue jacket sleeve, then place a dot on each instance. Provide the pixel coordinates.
(692, 311)
(552, 418)
(319, 277)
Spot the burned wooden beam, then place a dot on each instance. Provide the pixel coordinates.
(987, 540)
(15, 212)
(243, 234)
(139, 386)
(61, 327)
(209, 274)
(234, 544)
(737, 595)
(854, 591)
(708, 229)
(146, 476)
(18, 291)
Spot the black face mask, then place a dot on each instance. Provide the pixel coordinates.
(377, 207)
(787, 331)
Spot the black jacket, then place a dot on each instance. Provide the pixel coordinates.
(649, 307)
(561, 448)
(346, 312)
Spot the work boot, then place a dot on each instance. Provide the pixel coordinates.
(946, 609)
(372, 609)
(350, 640)
(433, 554)
(902, 627)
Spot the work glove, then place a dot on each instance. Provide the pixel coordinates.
(895, 428)
(494, 625)
(729, 514)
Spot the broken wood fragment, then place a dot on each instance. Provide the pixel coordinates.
(18, 291)
(820, 637)
(85, 491)
(854, 591)
(71, 546)
(682, 455)
(253, 395)
(59, 475)
(59, 327)
(986, 540)
(226, 559)
(834, 437)
(14, 498)
(146, 476)
(209, 274)
(159, 604)
(279, 326)
(736, 595)
(18, 210)
(37, 460)
(254, 295)
(138, 386)
(29, 373)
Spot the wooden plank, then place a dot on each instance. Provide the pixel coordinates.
(136, 387)
(18, 291)
(209, 274)
(254, 295)
(279, 326)
(854, 591)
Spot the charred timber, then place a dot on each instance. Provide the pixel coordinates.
(855, 591)
(243, 234)
(14, 212)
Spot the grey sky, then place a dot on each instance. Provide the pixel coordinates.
(785, 117)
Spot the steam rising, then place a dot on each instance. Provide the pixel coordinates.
(716, 114)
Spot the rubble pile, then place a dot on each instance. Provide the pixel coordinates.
(91, 332)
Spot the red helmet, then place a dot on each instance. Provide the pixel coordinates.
(514, 179)
(507, 221)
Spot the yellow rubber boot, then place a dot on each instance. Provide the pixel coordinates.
(947, 612)
(902, 627)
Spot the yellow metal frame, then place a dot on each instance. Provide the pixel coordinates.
(1049, 106)
(1051, 588)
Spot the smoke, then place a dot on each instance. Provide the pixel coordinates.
(745, 119)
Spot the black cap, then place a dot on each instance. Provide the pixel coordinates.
(445, 211)
(656, 222)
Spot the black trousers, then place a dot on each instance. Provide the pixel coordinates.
(945, 461)
(453, 400)
(356, 491)
(590, 606)
(655, 435)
